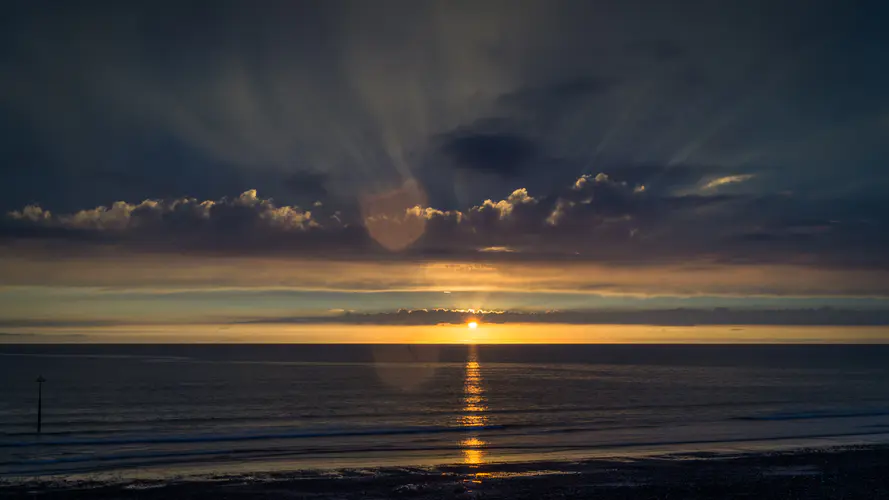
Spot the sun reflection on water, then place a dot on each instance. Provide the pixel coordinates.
(474, 411)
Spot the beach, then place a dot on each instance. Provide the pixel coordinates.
(830, 473)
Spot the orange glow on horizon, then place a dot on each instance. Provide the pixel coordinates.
(452, 334)
(472, 325)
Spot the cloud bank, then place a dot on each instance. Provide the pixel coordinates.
(662, 317)
(596, 219)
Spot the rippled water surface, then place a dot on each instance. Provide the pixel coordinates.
(176, 409)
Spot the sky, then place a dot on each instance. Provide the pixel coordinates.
(320, 166)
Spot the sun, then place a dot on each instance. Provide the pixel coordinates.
(472, 325)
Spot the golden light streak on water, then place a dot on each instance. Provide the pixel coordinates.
(474, 411)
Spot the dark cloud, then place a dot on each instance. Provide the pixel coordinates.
(566, 92)
(490, 152)
(244, 224)
(658, 317)
(307, 183)
(657, 50)
(595, 219)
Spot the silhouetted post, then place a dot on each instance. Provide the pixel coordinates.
(40, 381)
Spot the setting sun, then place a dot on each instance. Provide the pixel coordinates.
(472, 325)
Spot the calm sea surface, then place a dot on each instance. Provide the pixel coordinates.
(183, 409)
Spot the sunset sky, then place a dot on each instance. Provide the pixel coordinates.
(373, 171)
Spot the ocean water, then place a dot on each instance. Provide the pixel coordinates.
(173, 410)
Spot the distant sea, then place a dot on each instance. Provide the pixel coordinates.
(176, 410)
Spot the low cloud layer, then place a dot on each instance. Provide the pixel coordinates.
(665, 317)
(597, 219)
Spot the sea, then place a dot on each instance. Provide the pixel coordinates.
(182, 410)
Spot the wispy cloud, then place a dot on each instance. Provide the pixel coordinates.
(500, 249)
(730, 179)
(105, 268)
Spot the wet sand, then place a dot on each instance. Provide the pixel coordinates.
(847, 473)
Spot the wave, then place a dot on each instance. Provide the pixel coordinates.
(96, 356)
(54, 433)
(91, 461)
(220, 438)
(812, 415)
(602, 411)
(517, 429)
(603, 420)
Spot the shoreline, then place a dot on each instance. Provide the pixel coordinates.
(849, 472)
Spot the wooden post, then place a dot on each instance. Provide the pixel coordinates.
(40, 381)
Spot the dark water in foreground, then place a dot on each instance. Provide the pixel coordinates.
(182, 409)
